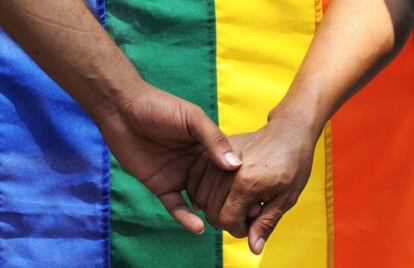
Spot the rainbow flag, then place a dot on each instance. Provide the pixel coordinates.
(66, 202)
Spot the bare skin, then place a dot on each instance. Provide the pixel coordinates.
(70, 45)
(355, 40)
(152, 133)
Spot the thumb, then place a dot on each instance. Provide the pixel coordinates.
(178, 209)
(264, 224)
(216, 143)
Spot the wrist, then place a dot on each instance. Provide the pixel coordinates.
(305, 115)
(114, 97)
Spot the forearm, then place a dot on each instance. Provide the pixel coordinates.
(68, 43)
(355, 40)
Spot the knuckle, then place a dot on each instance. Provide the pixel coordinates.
(239, 189)
(196, 113)
(227, 221)
(284, 178)
(267, 224)
(197, 109)
(218, 137)
(242, 184)
(194, 116)
(246, 184)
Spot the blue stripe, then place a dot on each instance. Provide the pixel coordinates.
(54, 170)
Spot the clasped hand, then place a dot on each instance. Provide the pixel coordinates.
(170, 145)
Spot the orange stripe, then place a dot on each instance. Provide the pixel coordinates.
(374, 171)
(329, 195)
(329, 192)
(325, 4)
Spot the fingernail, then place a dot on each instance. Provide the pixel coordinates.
(260, 245)
(202, 232)
(232, 159)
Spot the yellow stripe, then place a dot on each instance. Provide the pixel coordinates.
(260, 45)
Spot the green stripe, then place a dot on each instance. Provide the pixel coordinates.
(172, 43)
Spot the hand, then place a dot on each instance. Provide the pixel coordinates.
(277, 161)
(156, 137)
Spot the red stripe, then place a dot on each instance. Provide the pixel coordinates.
(373, 164)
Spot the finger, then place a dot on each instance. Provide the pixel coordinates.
(264, 224)
(194, 177)
(204, 187)
(254, 210)
(215, 142)
(157, 182)
(234, 213)
(196, 207)
(218, 194)
(179, 210)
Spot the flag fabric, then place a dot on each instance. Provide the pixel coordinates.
(65, 201)
(54, 174)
